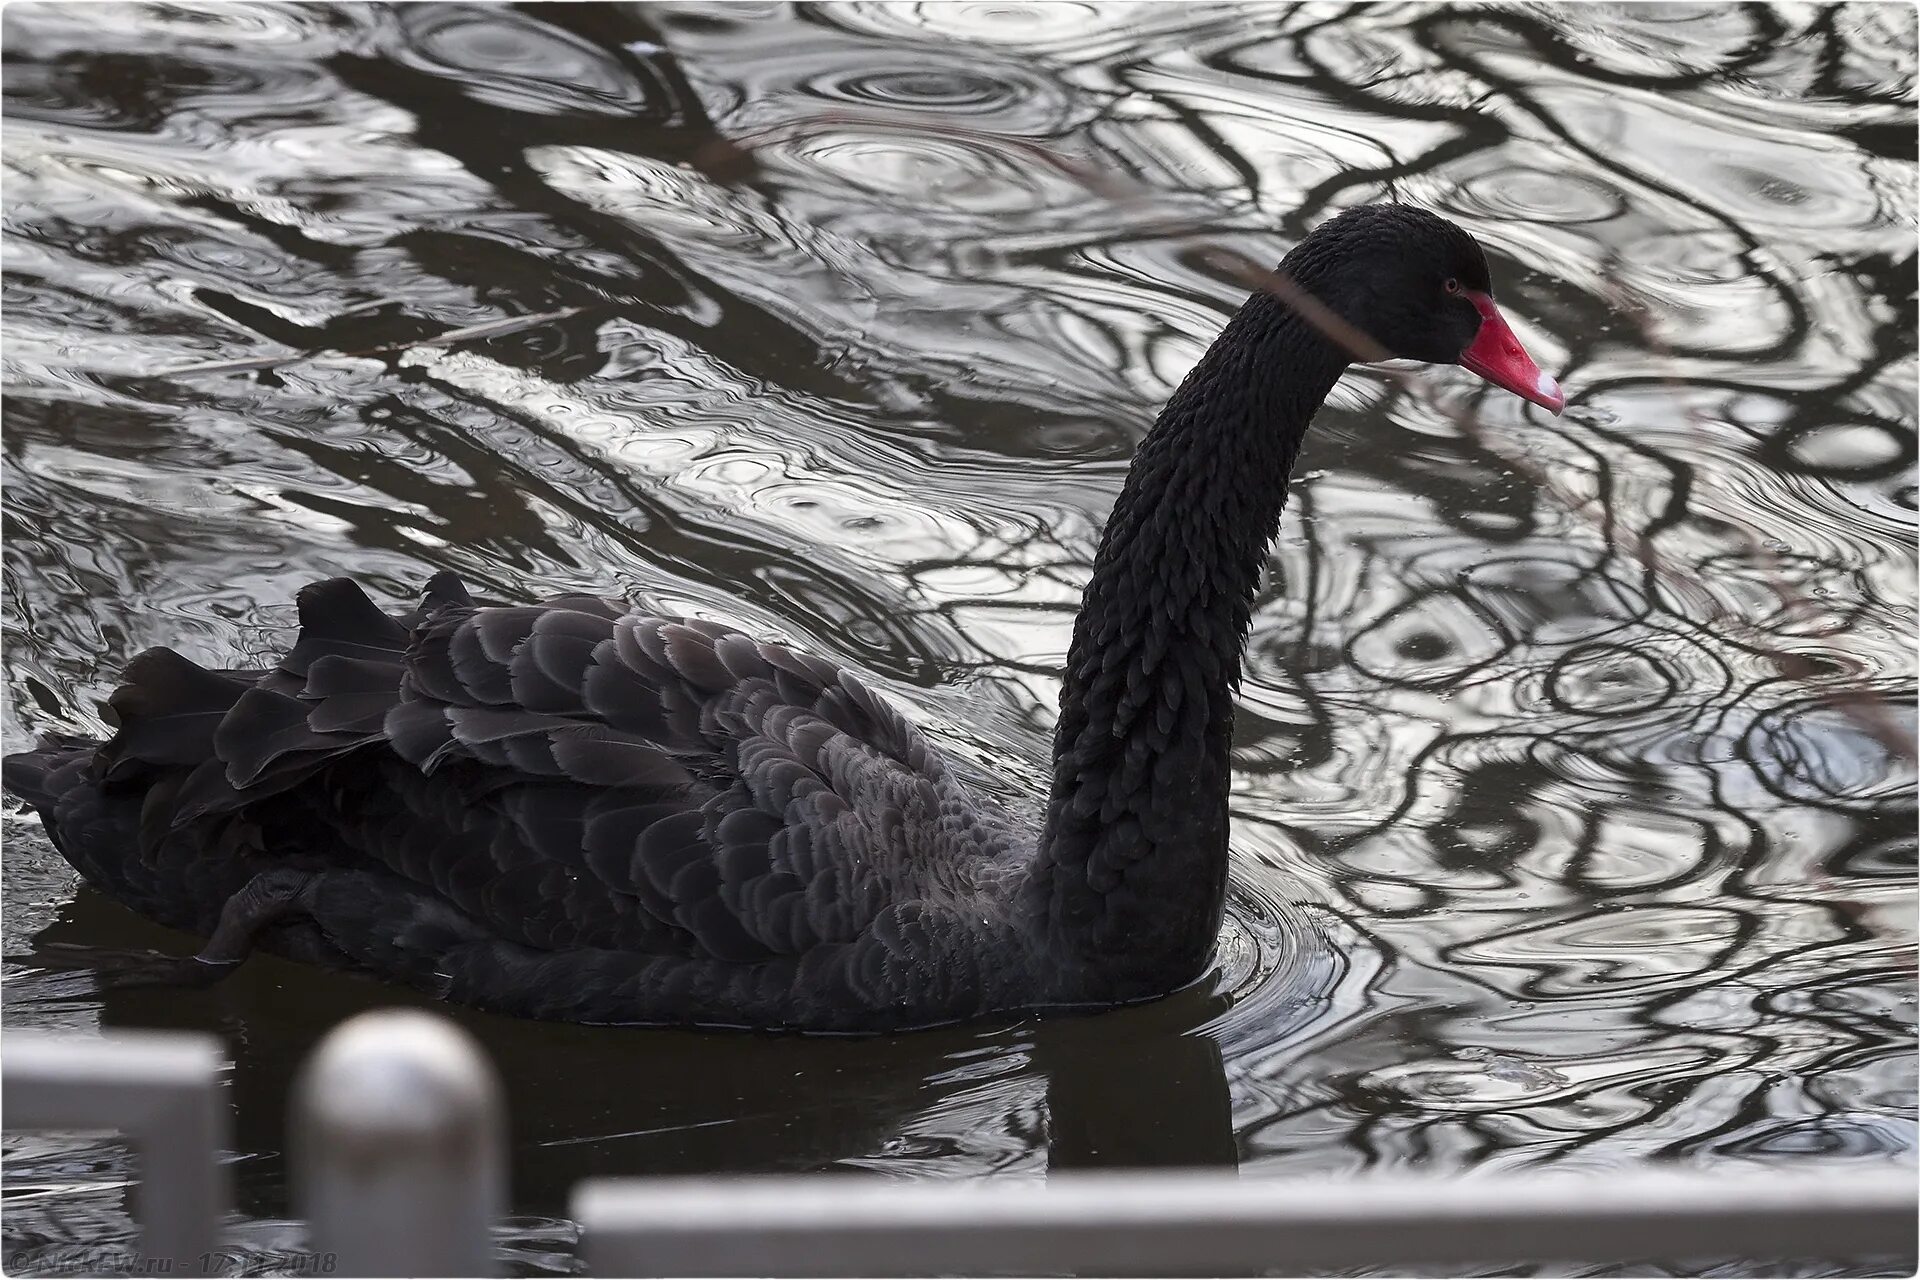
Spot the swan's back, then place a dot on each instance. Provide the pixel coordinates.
(561, 810)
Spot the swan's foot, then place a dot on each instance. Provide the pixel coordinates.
(267, 898)
(71, 971)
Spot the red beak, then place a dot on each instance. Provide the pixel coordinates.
(1497, 356)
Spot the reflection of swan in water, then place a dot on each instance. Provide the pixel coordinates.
(1140, 1086)
(570, 811)
(1137, 1087)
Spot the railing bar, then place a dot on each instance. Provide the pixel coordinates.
(159, 1089)
(399, 1148)
(1103, 1224)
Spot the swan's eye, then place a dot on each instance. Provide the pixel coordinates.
(1452, 285)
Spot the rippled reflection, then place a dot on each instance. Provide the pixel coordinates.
(1575, 783)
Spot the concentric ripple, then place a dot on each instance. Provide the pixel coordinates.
(1574, 769)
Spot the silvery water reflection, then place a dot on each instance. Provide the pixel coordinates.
(1543, 856)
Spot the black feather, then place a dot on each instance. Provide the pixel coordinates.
(169, 710)
(572, 810)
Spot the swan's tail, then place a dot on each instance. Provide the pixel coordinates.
(60, 780)
(41, 776)
(109, 807)
(106, 806)
(157, 816)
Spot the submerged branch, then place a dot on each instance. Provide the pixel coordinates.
(469, 333)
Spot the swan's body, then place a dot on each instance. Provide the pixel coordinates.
(568, 810)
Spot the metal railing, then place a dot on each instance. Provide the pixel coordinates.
(159, 1089)
(399, 1148)
(398, 1145)
(1217, 1225)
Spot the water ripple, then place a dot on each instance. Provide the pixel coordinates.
(1572, 824)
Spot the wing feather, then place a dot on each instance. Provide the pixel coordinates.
(573, 774)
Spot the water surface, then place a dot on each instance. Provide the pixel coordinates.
(1574, 817)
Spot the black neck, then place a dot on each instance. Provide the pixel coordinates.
(1131, 876)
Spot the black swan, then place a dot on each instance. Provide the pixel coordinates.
(568, 810)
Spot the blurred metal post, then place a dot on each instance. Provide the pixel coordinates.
(162, 1090)
(1205, 1224)
(399, 1148)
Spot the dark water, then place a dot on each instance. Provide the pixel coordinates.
(1574, 806)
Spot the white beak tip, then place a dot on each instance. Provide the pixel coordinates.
(1551, 397)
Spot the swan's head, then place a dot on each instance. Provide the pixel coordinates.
(1419, 287)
